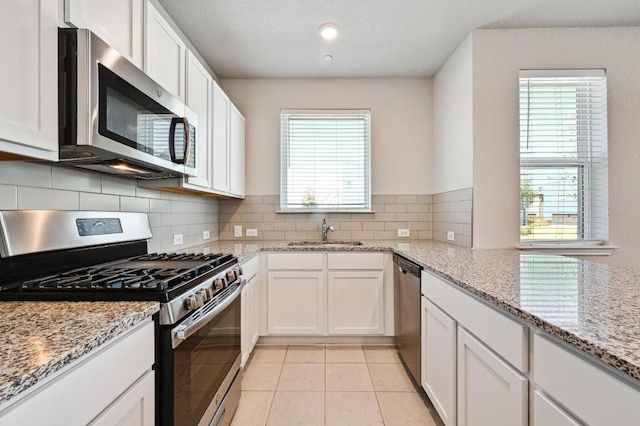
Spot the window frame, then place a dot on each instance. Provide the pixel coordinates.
(284, 149)
(587, 240)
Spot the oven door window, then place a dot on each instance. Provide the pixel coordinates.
(134, 119)
(201, 363)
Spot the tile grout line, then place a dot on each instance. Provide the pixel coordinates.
(273, 398)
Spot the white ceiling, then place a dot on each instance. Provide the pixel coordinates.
(378, 38)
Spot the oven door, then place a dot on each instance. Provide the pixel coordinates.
(201, 364)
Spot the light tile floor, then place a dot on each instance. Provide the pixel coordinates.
(330, 385)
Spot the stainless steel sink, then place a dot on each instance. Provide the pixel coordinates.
(325, 243)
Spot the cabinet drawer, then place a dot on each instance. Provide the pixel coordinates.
(591, 393)
(355, 261)
(504, 335)
(295, 261)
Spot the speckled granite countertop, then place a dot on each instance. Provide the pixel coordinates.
(39, 338)
(594, 307)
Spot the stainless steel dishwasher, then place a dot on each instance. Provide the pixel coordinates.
(406, 275)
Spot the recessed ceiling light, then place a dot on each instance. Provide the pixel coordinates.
(327, 58)
(328, 30)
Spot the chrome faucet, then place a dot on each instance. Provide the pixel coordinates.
(325, 229)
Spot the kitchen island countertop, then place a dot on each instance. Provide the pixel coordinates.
(38, 339)
(593, 307)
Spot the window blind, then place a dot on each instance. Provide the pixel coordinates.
(325, 160)
(563, 156)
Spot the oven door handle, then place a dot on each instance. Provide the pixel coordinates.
(183, 332)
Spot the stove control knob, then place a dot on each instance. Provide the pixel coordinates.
(203, 296)
(219, 283)
(209, 292)
(240, 271)
(191, 302)
(231, 275)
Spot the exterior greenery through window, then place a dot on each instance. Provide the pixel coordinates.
(325, 160)
(563, 157)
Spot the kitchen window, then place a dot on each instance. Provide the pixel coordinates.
(563, 158)
(325, 160)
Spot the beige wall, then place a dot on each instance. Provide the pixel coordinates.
(452, 122)
(400, 126)
(498, 55)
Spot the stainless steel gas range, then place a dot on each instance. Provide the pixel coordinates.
(68, 255)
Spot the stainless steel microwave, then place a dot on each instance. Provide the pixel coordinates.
(114, 118)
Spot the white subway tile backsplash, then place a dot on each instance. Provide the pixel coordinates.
(91, 201)
(75, 180)
(22, 173)
(8, 197)
(47, 199)
(26, 185)
(118, 186)
(133, 204)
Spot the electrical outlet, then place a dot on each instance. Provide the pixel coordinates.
(237, 231)
(251, 232)
(451, 236)
(404, 233)
(206, 235)
(177, 239)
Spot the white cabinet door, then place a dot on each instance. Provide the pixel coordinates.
(199, 101)
(250, 317)
(136, 407)
(547, 413)
(29, 79)
(165, 53)
(490, 392)
(296, 302)
(236, 152)
(355, 302)
(254, 309)
(117, 22)
(439, 360)
(220, 138)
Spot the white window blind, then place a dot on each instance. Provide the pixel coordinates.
(325, 160)
(563, 157)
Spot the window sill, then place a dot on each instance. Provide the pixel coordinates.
(325, 211)
(570, 250)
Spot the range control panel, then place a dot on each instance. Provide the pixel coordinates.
(96, 226)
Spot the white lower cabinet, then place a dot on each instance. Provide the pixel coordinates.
(439, 342)
(490, 392)
(250, 313)
(355, 302)
(296, 302)
(334, 294)
(98, 388)
(547, 413)
(134, 408)
(589, 392)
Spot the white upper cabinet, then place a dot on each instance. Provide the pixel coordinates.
(117, 22)
(220, 142)
(236, 152)
(199, 101)
(228, 145)
(165, 53)
(29, 80)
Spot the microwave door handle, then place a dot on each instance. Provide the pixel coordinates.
(187, 140)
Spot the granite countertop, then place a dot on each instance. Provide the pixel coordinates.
(592, 306)
(38, 339)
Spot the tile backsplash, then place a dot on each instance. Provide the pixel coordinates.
(391, 212)
(25, 185)
(452, 211)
